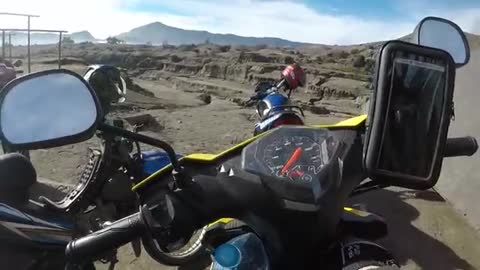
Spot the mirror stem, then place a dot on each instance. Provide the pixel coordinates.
(144, 139)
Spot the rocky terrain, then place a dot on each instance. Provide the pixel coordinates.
(227, 72)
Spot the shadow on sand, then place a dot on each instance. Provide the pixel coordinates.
(405, 240)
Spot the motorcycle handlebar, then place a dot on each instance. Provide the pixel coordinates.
(115, 235)
(462, 146)
(144, 139)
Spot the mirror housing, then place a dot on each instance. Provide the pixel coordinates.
(47, 109)
(410, 111)
(445, 35)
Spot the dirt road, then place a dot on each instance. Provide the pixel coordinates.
(460, 181)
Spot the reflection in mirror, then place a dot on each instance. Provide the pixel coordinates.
(47, 107)
(414, 115)
(443, 35)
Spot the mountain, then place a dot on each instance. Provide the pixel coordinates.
(159, 33)
(20, 38)
(82, 36)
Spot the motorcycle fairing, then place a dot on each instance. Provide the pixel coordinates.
(353, 122)
(350, 123)
(197, 158)
(268, 121)
(30, 228)
(363, 222)
(271, 103)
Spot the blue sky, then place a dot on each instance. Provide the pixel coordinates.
(385, 9)
(320, 21)
(316, 21)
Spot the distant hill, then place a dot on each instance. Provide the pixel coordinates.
(82, 36)
(159, 33)
(20, 38)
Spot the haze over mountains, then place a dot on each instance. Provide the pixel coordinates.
(20, 38)
(158, 33)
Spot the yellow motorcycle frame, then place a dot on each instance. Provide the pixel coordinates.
(351, 123)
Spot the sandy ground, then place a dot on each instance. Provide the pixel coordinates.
(425, 232)
(460, 181)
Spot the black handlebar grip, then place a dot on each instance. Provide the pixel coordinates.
(463, 146)
(97, 243)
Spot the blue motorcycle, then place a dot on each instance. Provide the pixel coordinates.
(273, 108)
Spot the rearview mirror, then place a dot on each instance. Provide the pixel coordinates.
(409, 116)
(47, 109)
(445, 35)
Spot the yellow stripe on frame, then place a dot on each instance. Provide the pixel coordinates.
(346, 209)
(204, 157)
(348, 123)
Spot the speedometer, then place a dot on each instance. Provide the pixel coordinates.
(298, 158)
(298, 163)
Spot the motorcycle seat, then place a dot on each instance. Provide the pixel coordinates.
(17, 175)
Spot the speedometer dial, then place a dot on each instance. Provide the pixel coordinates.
(297, 158)
(298, 163)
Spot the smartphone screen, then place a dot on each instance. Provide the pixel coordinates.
(414, 116)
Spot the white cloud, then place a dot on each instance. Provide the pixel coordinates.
(289, 20)
(467, 19)
(101, 17)
(285, 19)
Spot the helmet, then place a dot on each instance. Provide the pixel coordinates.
(294, 76)
(107, 83)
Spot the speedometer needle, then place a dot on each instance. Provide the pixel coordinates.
(293, 158)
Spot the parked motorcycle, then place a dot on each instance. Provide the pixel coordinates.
(273, 108)
(102, 194)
